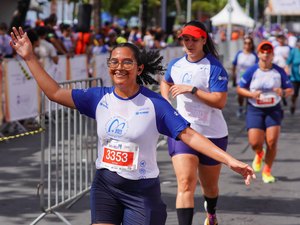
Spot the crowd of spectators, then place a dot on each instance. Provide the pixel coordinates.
(69, 40)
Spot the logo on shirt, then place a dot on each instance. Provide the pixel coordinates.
(143, 163)
(142, 171)
(104, 104)
(143, 111)
(117, 127)
(222, 78)
(187, 78)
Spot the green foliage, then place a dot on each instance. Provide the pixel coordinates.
(209, 7)
(126, 8)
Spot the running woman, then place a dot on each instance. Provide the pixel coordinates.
(199, 82)
(130, 118)
(242, 61)
(264, 84)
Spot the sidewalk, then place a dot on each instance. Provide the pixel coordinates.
(259, 203)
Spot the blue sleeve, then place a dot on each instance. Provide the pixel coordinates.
(168, 121)
(285, 81)
(86, 100)
(247, 77)
(234, 62)
(218, 79)
(168, 77)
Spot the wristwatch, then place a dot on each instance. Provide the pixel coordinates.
(193, 91)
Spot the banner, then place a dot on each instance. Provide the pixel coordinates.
(171, 53)
(1, 89)
(101, 69)
(21, 92)
(57, 71)
(283, 7)
(78, 67)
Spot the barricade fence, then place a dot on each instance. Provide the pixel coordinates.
(20, 95)
(68, 153)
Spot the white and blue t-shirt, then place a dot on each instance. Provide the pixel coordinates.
(208, 75)
(256, 79)
(243, 61)
(138, 119)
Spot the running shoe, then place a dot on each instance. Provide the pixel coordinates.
(257, 163)
(211, 219)
(268, 178)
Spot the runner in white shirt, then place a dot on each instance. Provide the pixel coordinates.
(130, 117)
(242, 61)
(199, 82)
(264, 84)
(281, 52)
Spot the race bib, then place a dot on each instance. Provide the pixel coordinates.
(119, 155)
(199, 113)
(266, 99)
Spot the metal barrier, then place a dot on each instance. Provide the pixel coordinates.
(68, 153)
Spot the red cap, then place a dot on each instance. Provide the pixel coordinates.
(264, 43)
(196, 32)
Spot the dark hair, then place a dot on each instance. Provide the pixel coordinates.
(3, 26)
(41, 31)
(32, 35)
(209, 47)
(152, 61)
(247, 37)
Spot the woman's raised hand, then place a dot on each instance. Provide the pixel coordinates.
(21, 43)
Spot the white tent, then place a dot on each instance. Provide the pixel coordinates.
(238, 16)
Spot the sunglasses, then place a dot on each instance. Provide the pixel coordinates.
(266, 51)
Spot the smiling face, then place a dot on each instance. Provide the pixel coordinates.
(124, 70)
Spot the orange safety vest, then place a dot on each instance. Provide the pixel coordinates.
(82, 42)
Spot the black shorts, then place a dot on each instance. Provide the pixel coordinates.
(117, 200)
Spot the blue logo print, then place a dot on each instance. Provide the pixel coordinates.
(104, 104)
(117, 127)
(187, 78)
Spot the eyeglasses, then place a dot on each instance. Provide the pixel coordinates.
(247, 43)
(126, 64)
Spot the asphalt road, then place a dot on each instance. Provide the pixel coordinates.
(259, 203)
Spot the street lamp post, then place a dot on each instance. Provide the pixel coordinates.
(229, 28)
(164, 14)
(189, 10)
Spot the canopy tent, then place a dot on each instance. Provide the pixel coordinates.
(238, 16)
